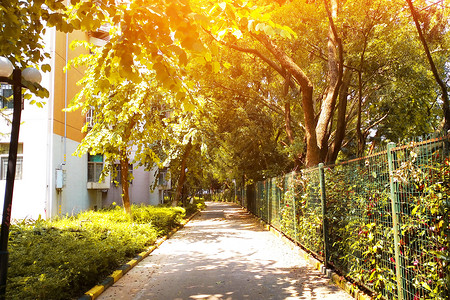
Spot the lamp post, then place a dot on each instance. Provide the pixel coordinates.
(31, 75)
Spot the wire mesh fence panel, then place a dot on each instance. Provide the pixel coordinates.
(265, 202)
(309, 211)
(270, 201)
(288, 200)
(275, 204)
(421, 190)
(387, 216)
(261, 203)
(360, 223)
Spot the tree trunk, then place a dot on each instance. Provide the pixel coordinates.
(125, 183)
(316, 133)
(288, 119)
(442, 85)
(182, 178)
(335, 80)
(124, 180)
(341, 120)
(359, 134)
(312, 149)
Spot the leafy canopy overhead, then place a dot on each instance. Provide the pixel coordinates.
(287, 60)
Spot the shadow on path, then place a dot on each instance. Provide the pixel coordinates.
(223, 254)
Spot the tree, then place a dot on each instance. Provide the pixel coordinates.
(125, 114)
(316, 127)
(440, 26)
(22, 33)
(243, 120)
(331, 74)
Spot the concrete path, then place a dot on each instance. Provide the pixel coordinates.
(223, 254)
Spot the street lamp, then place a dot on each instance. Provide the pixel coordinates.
(31, 75)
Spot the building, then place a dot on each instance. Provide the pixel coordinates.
(50, 181)
(149, 187)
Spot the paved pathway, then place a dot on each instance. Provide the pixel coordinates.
(223, 254)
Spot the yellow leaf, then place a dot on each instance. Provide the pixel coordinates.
(260, 27)
(221, 33)
(187, 106)
(269, 30)
(181, 95)
(208, 56)
(216, 67)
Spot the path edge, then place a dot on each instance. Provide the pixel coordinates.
(335, 278)
(97, 290)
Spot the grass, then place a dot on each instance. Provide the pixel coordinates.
(65, 257)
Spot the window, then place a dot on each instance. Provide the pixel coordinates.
(4, 153)
(162, 180)
(95, 167)
(6, 92)
(90, 118)
(118, 173)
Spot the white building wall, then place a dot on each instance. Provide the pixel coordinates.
(139, 190)
(74, 196)
(29, 193)
(155, 195)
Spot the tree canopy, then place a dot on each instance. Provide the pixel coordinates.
(23, 24)
(256, 88)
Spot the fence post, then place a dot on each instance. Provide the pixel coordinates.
(395, 224)
(266, 194)
(323, 200)
(292, 187)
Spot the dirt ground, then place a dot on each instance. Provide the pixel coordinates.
(223, 253)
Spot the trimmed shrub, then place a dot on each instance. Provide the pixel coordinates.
(196, 205)
(64, 257)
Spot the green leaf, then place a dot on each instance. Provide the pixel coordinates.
(426, 286)
(414, 211)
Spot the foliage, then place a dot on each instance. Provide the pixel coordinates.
(360, 223)
(22, 34)
(226, 195)
(362, 198)
(62, 258)
(159, 217)
(215, 66)
(425, 227)
(195, 204)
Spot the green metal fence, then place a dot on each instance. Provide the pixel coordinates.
(381, 220)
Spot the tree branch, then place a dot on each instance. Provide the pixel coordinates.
(438, 79)
(280, 70)
(375, 124)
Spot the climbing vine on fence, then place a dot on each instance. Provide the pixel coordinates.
(424, 192)
(387, 214)
(360, 225)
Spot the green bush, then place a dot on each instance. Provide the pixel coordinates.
(163, 218)
(196, 205)
(64, 257)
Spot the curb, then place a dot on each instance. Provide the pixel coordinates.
(122, 270)
(336, 279)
